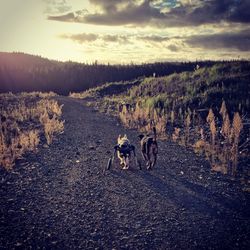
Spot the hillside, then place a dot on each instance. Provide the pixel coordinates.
(22, 72)
(203, 88)
(207, 110)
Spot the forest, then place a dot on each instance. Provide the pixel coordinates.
(23, 72)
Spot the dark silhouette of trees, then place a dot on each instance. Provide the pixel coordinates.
(22, 72)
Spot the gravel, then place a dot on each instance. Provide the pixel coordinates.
(60, 198)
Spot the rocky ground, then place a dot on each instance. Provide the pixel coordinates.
(61, 199)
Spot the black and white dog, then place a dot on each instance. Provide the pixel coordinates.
(124, 149)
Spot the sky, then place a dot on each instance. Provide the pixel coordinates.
(127, 31)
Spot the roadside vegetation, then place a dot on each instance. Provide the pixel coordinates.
(27, 119)
(206, 109)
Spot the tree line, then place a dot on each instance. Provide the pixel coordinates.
(23, 72)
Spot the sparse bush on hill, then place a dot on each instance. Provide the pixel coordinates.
(113, 88)
(204, 87)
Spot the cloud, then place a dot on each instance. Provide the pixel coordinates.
(173, 48)
(111, 5)
(80, 38)
(115, 12)
(70, 17)
(90, 37)
(153, 38)
(115, 38)
(238, 40)
(57, 6)
(172, 13)
(124, 13)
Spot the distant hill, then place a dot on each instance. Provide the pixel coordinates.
(22, 60)
(23, 72)
(198, 89)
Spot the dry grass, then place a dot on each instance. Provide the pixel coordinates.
(80, 95)
(176, 134)
(143, 118)
(25, 118)
(51, 126)
(187, 127)
(221, 149)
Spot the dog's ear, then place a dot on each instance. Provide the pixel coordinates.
(140, 136)
(119, 138)
(125, 136)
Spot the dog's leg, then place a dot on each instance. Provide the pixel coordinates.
(154, 160)
(148, 147)
(155, 153)
(123, 165)
(149, 154)
(144, 150)
(144, 156)
(121, 159)
(126, 161)
(149, 165)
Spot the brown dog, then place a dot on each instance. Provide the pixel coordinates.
(149, 149)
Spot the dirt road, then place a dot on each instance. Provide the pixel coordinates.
(60, 199)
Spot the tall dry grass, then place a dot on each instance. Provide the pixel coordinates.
(223, 150)
(218, 137)
(25, 118)
(143, 118)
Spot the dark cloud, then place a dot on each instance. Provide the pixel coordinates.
(239, 11)
(162, 13)
(173, 48)
(223, 10)
(130, 13)
(153, 38)
(90, 37)
(239, 41)
(115, 38)
(121, 12)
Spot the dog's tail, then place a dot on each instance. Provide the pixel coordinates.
(154, 130)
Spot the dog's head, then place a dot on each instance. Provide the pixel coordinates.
(123, 141)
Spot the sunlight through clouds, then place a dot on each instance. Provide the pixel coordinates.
(118, 31)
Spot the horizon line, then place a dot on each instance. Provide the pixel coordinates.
(98, 62)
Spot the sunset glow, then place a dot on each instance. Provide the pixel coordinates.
(125, 31)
